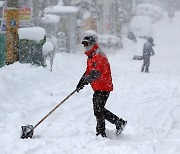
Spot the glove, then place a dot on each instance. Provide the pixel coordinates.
(81, 84)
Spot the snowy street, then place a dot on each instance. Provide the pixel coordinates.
(148, 101)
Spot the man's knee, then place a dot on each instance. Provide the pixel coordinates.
(98, 112)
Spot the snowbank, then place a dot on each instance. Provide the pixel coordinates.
(146, 16)
(47, 47)
(32, 33)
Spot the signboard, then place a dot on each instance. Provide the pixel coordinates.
(12, 20)
(24, 17)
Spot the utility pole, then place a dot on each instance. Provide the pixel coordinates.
(12, 25)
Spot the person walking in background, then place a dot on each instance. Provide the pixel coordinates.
(171, 15)
(98, 74)
(132, 37)
(147, 52)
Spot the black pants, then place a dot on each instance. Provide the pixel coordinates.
(101, 113)
(146, 64)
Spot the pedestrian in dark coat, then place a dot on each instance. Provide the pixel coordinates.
(147, 52)
(98, 74)
(132, 37)
(171, 15)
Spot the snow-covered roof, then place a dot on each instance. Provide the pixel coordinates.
(49, 18)
(61, 9)
(32, 33)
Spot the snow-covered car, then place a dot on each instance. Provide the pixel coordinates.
(107, 40)
(141, 26)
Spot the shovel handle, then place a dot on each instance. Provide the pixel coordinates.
(54, 108)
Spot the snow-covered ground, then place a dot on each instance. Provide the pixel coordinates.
(149, 102)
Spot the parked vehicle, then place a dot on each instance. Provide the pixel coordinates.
(107, 40)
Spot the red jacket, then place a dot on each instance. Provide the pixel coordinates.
(98, 62)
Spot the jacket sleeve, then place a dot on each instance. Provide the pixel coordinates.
(83, 80)
(93, 75)
(94, 72)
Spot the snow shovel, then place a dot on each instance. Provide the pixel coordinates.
(28, 130)
(137, 57)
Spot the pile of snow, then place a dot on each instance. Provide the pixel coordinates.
(158, 12)
(152, 11)
(141, 26)
(32, 33)
(146, 16)
(47, 47)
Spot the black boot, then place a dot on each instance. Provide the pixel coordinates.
(142, 69)
(147, 70)
(102, 134)
(120, 125)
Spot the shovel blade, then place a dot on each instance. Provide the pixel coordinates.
(27, 131)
